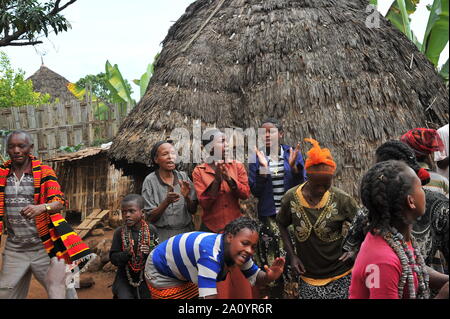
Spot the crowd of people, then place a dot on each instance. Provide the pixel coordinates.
(390, 243)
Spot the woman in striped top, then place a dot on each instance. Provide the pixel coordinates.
(269, 179)
(190, 265)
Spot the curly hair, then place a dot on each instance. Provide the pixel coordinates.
(397, 150)
(240, 223)
(383, 191)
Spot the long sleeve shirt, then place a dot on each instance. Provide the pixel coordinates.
(224, 207)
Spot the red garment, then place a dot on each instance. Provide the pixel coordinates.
(218, 211)
(423, 141)
(236, 286)
(377, 263)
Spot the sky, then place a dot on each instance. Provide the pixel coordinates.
(128, 33)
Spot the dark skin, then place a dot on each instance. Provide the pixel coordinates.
(413, 209)
(272, 134)
(240, 247)
(132, 214)
(165, 158)
(313, 191)
(219, 167)
(19, 149)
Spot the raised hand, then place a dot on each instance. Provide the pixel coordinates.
(185, 188)
(293, 155)
(223, 171)
(261, 158)
(275, 271)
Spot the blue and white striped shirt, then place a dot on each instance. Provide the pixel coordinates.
(197, 257)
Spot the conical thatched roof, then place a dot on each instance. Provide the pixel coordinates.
(47, 81)
(314, 64)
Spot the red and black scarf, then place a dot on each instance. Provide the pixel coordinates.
(423, 141)
(58, 237)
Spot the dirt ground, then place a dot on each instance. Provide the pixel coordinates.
(100, 290)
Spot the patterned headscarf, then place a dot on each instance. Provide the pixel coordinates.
(423, 141)
(319, 160)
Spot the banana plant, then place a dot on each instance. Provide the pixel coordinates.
(117, 85)
(145, 78)
(100, 108)
(436, 33)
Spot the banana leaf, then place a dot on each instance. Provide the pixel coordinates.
(436, 34)
(399, 13)
(117, 85)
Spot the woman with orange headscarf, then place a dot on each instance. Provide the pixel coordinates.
(318, 211)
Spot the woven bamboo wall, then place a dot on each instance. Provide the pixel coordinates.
(91, 182)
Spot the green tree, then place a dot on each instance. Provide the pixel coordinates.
(98, 86)
(23, 22)
(14, 89)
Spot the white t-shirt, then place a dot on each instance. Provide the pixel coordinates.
(439, 156)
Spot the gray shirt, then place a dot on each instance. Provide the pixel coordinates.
(154, 191)
(22, 232)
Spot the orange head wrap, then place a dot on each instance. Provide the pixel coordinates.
(319, 160)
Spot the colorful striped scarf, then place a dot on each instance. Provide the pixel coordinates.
(58, 237)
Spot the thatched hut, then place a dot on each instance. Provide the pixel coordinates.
(47, 81)
(314, 64)
(89, 181)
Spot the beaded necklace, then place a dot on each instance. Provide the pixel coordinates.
(137, 260)
(409, 264)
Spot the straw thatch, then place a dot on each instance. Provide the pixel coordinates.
(314, 64)
(47, 81)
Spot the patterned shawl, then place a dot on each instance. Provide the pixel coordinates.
(423, 141)
(58, 237)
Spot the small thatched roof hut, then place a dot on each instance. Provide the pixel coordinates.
(89, 181)
(47, 81)
(314, 64)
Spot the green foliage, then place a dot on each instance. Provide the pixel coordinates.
(23, 22)
(99, 88)
(444, 72)
(436, 33)
(145, 78)
(71, 149)
(121, 92)
(105, 89)
(14, 89)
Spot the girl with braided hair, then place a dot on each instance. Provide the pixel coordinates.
(390, 264)
(191, 265)
(431, 231)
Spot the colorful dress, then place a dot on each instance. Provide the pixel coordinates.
(319, 232)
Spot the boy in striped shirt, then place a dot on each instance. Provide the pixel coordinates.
(190, 265)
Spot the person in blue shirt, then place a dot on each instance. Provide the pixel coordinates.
(270, 178)
(189, 265)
